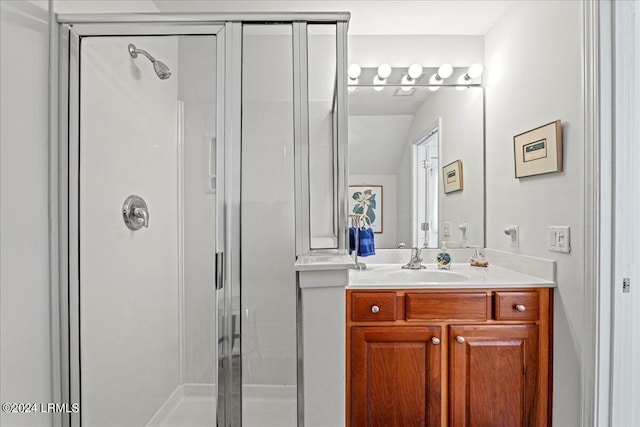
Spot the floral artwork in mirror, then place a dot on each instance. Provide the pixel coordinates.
(367, 200)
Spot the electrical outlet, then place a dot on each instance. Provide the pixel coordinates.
(560, 238)
(447, 229)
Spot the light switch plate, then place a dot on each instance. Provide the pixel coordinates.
(559, 238)
(447, 229)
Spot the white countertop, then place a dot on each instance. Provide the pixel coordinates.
(460, 276)
(318, 262)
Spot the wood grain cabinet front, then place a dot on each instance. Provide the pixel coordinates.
(487, 364)
(396, 376)
(492, 375)
(373, 306)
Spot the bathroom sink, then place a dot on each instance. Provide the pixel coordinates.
(427, 276)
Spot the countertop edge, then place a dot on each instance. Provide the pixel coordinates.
(441, 286)
(323, 262)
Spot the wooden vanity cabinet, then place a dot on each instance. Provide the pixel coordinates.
(449, 357)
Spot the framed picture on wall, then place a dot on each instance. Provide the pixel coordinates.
(452, 177)
(367, 200)
(539, 150)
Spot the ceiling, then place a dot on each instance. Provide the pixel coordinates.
(383, 17)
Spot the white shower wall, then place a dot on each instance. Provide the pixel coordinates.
(128, 279)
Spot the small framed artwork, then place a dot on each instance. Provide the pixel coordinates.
(452, 177)
(367, 200)
(539, 150)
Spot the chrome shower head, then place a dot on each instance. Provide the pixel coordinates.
(162, 71)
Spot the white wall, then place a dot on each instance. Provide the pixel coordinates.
(104, 6)
(376, 143)
(129, 334)
(25, 367)
(404, 50)
(533, 76)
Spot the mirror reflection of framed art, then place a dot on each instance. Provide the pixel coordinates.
(452, 177)
(367, 200)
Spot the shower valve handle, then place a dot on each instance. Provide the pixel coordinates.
(135, 213)
(142, 216)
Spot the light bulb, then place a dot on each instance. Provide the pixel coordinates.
(434, 80)
(354, 71)
(445, 71)
(475, 71)
(407, 82)
(415, 71)
(378, 82)
(351, 84)
(384, 71)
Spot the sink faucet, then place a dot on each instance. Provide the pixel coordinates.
(415, 263)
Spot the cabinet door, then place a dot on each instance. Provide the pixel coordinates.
(395, 376)
(493, 375)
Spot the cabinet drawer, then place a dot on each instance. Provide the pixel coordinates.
(368, 306)
(509, 305)
(447, 306)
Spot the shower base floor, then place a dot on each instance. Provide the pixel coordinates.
(194, 405)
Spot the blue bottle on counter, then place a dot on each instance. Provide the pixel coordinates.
(443, 258)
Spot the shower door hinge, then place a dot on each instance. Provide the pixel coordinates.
(626, 285)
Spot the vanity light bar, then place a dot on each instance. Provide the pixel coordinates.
(380, 77)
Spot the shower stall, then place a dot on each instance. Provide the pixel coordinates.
(186, 144)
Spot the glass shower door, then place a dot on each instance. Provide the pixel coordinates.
(267, 303)
(147, 230)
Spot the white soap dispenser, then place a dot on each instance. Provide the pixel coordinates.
(443, 258)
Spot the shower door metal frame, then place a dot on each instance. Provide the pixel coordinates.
(65, 220)
(64, 165)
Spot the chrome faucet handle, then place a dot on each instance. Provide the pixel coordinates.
(415, 263)
(142, 216)
(135, 213)
(416, 254)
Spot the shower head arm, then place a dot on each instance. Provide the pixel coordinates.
(133, 51)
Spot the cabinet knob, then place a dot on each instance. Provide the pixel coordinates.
(375, 309)
(435, 340)
(460, 339)
(520, 308)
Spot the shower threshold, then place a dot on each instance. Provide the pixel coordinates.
(195, 405)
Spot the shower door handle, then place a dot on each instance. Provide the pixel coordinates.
(219, 270)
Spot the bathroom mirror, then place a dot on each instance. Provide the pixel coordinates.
(399, 143)
(321, 93)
